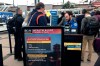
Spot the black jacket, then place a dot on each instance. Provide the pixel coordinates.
(79, 20)
(18, 21)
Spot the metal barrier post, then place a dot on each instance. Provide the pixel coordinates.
(1, 59)
(9, 39)
(10, 43)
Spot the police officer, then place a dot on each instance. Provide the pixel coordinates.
(18, 40)
(69, 22)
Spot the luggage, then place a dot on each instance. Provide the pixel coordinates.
(96, 45)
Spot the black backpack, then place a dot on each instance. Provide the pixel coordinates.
(11, 25)
(91, 26)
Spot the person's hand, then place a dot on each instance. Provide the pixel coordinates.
(51, 59)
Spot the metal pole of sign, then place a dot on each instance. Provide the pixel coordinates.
(9, 39)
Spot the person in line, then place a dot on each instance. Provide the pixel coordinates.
(26, 20)
(25, 23)
(93, 12)
(87, 37)
(68, 20)
(97, 63)
(60, 19)
(97, 16)
(79, 19)
(18, 39)
(38, 18)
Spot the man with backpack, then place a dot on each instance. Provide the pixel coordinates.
(11, 25)
(38, 17)
(89, 28)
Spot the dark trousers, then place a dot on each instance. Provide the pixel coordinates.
(18, 45)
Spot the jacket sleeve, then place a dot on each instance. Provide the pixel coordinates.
(42, 21)
(62, 21)
(83, 24)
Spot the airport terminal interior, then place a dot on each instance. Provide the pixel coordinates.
(39, 48)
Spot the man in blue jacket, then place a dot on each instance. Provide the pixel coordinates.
(68, 19)
(71, 22)
(38, 17)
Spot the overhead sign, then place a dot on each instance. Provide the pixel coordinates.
(53, 12)
(5, 15)
(54, 20)
(54, 17)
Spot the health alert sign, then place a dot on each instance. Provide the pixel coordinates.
(72, 46)
(46, 31)
(38, 40)
(39, 43)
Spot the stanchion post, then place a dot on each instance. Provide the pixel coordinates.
(9, 39)
(10, 43)
(1, 59)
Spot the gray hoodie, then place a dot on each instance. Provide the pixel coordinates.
(84, 20)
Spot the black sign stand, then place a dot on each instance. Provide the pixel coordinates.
(1, 59)
(50, 56)
(72, 55)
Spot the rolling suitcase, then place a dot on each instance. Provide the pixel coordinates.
(96, 45)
